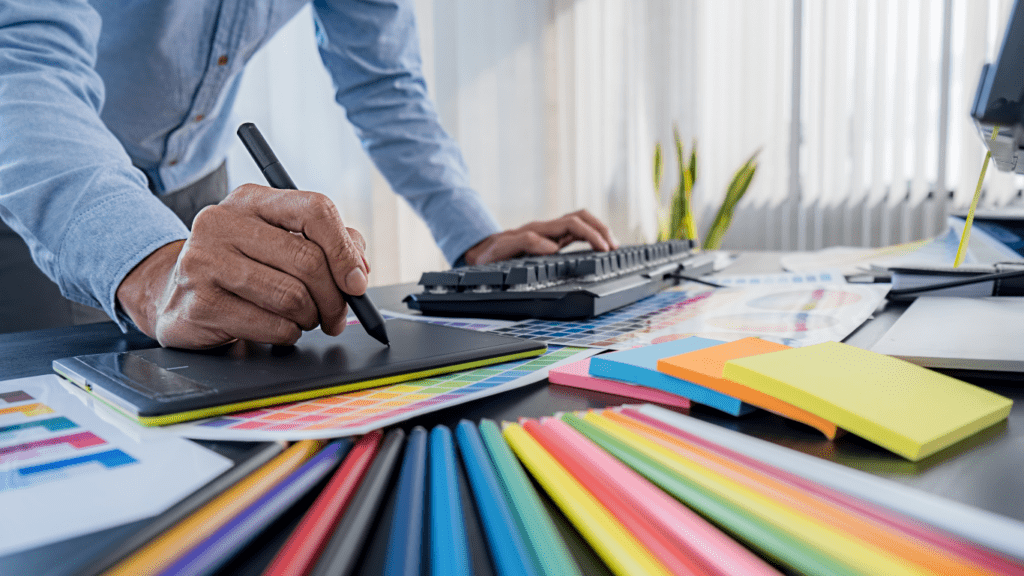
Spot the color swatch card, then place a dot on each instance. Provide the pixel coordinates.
(365, 410)
(785, 278)
(578, 375)
(639, 366)
(64, 471)
(788, 314)
(705, 367)
(907, 409)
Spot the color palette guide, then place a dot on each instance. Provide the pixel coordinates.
(364, 410)
(788, 314)
(790, 278)
(54, 449)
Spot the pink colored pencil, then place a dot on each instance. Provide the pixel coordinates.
(967, 550)
(677, 560)
(720, 554)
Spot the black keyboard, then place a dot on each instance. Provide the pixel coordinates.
(560, 286)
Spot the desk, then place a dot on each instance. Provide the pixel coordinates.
(986, 471)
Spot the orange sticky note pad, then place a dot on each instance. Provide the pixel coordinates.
(705, 366)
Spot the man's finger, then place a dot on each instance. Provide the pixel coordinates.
(302, 259)
(575, 226)
(513, 244)
(316, 217)
(601, 228)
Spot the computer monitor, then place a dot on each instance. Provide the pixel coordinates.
(999, 101)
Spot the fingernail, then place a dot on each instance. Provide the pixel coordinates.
(355, 282)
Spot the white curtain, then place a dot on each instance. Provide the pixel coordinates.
(558, 105)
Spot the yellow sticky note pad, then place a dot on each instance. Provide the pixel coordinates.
(905, 408)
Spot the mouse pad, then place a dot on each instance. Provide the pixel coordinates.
(161, 386)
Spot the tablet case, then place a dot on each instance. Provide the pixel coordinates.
(161, 386)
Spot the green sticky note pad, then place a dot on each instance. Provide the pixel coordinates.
(905, 408)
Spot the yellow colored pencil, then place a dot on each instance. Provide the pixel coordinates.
(613, 543)
(855, 553)
(167, 547)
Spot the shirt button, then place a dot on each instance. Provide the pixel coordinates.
(199, 118)
(173, 162)
(222, 61)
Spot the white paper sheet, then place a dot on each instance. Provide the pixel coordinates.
(65, 471)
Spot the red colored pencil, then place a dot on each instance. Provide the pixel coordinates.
(301, 551)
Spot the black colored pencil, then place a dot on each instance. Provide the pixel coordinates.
(345, 547)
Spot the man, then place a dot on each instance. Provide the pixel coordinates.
(114, 121)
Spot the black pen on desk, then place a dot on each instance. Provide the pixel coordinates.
(278, 178)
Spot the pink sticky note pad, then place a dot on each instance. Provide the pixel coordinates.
(578, 375)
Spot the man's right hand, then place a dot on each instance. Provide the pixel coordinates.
(263, 265)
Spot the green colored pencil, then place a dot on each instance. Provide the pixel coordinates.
(759, 535)
(549, 551)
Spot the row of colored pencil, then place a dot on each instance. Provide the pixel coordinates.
(621, 491)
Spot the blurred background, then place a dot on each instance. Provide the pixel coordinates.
(860, 110)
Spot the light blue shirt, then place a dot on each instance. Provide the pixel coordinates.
(99, 98)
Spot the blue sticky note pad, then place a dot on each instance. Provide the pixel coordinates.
(640, 366)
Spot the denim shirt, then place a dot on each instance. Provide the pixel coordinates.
(100, 99)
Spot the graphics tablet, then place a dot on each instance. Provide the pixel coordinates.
(162, 386)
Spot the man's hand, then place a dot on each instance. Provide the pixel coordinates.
(543, 238)
(263, 265)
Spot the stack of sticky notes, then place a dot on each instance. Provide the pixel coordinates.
(704, 367)
(640, 366)
(577, 375)
(907, 409)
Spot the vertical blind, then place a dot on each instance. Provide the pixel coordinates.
(859, 110)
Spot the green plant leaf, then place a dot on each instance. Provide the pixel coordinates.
(737, 188)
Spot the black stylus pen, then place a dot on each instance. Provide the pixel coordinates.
(278, 178)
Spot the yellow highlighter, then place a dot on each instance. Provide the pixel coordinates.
(163, 550)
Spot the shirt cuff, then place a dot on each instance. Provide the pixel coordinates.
(107, 241)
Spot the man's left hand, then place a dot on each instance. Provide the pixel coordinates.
(547, 237)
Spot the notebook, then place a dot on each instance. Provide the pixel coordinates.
(900, 406)
(705, 367)
(639, 366)
(163, 386)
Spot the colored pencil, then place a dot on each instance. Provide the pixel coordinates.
(306, 542)
(719, 553)
(183, 509)
(726, 514)
(857, 556)
(880, 534)
(405, 545)
(991, 530)
(343, 549)
(621, 552)
(449, 554)
(223, 544)
(548, 549)
(676, 560)
(166, 548)
(508, 550)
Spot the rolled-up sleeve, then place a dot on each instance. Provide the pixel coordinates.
(66, 184)
(371, 49)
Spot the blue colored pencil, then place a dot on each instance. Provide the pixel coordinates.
(511, 557)
(449, 553)
(211, 553)
(406, 539)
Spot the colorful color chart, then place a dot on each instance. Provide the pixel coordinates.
(65, 471)
(365, 410)
(790, 315)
